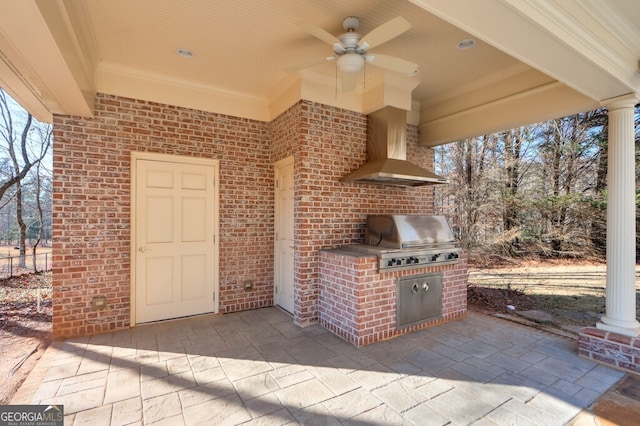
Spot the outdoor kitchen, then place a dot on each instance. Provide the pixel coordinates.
(408, 275)
(264, 184)
(409, 272)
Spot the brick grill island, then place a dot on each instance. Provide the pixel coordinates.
(358, 303)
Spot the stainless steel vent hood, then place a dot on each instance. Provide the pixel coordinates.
(387, 153)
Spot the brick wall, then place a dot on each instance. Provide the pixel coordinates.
(91, 229)
(91, 209)
(616, 350)
(329, 143)
(359, 304)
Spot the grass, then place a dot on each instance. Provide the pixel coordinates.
(572, 294)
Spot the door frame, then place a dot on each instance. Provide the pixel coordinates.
(169, 158)
(276, 167)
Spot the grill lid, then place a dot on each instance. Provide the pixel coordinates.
(400, 231)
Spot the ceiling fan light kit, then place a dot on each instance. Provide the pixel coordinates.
(350, 63)
(351, 49)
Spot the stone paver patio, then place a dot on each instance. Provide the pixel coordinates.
(257, 367)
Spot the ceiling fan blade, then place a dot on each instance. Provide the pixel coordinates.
(392, 63)
(319, 33)
(385, 32)
(349, 81)
(309, 64)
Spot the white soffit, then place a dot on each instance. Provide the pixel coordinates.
(243, 50)
(39, 54)
(54, 55)
(586, 44)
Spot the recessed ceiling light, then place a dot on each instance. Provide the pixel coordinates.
(185, 53)
(467, 43)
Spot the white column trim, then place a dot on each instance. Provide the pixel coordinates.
(620, 316)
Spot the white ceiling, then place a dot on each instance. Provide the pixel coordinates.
(534, 59)
(247, 46)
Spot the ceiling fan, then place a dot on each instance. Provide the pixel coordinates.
(351, 50)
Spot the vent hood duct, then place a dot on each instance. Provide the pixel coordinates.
(387, 153)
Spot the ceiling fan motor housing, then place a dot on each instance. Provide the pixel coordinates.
(350, 40)
(351, 23)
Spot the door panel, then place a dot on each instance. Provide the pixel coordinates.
(159, 227)
(194, 270)
(175, 220)
(193, 181)
(159, 272)
(194, 220)
(158, 179)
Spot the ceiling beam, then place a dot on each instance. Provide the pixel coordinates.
(569, 41)
(534, 105)
(43, 63)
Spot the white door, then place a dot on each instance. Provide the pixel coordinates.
(284, 242)
(174, 247)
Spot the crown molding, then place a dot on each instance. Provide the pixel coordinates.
(594, 28)
(128, 82)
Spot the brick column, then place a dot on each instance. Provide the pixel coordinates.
(620, 314)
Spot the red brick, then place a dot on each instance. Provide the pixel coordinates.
(619, 338)
(92, 184)
(592, 331)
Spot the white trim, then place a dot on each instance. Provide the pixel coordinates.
(169, 158)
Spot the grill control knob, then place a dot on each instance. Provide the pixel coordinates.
(399, 262)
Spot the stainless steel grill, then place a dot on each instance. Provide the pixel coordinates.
(402, 242)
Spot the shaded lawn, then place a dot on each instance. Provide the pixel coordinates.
(573, 294)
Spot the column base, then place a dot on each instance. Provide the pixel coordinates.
(625, 328)
(610, 348)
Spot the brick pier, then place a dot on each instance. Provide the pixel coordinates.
(610, 348)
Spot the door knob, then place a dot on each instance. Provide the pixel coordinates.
(142, 249)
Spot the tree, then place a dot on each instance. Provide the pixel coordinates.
(538, 189)
(512, 169)
(40, 217)
(468, 201)
(24, 143)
